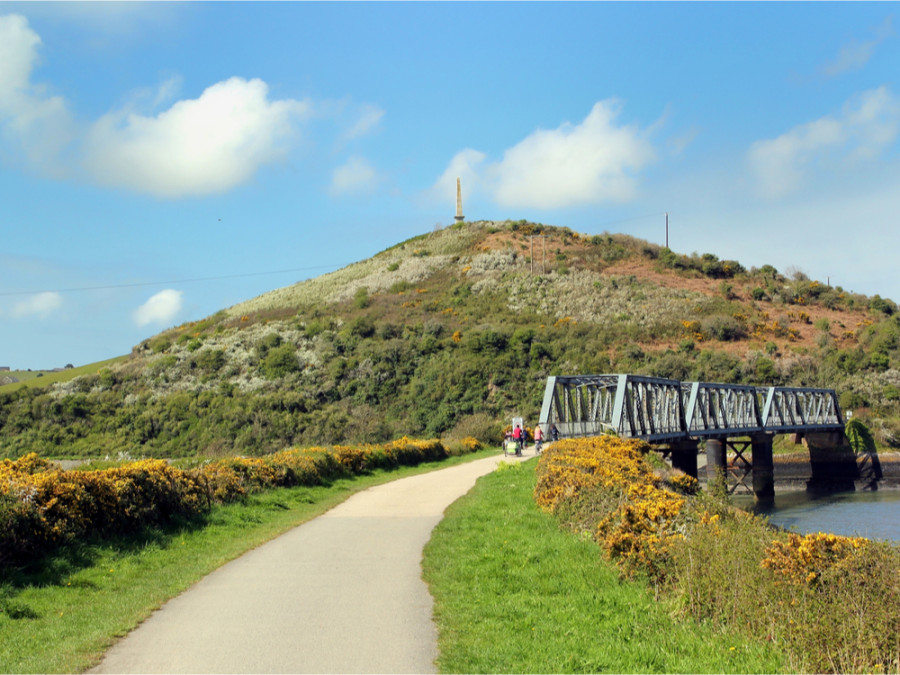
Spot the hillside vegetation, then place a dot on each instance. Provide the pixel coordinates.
(451, 332)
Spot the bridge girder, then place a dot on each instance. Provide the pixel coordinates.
(660, 410)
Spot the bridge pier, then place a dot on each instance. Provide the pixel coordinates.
(716, 460)
(684, 457)
(763, 468)
(832, 463)
(761, 464)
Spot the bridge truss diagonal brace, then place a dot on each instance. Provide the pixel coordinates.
(632, 406)
(659, 410)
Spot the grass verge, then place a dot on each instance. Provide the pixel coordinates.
(62, 616)
(514, 593)
(44, 378)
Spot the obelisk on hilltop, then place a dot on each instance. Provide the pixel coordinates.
(459, 214)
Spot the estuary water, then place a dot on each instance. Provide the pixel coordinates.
(874, 515)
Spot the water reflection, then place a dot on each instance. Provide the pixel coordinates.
(875, 515)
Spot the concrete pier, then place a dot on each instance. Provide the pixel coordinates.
(716, 461)
(763, 468)
(684, 457)
(832, 463)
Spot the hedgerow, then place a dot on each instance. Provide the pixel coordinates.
(43, 507)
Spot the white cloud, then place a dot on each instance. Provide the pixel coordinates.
(18, 52)
(206, 145)
(465, 166)
(108, 20)
(40, 304)
(161, 308)
(369, 118)
(31, 121)
(588, 163)
(855, 55)
(873, 119)
(355, 176)
(198, 146)
(866, 126)
(678, 144)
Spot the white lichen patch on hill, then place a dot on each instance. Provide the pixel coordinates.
(590, 296)
(410, 262)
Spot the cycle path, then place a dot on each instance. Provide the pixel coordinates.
(342, 593)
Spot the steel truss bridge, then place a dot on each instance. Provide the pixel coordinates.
(663, 411)
(679, 415)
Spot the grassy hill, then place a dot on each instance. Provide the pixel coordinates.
(451, 332)
(13, 380)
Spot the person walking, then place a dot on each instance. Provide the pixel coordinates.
(538, 439)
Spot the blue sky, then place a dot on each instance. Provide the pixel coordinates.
(162, 161)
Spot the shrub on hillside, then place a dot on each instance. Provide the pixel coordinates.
(723, 328)
(280, 361)
(481, 426)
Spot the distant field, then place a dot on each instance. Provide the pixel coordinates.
(41, 378)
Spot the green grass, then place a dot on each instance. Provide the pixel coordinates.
(43, 378)
(61, 617)
(514, 593)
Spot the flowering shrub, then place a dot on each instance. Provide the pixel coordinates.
(606, 479)
(43, 507)
(683, 484)
(640, 532)
(472, 444)
(804, 559)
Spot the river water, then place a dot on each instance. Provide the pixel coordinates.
(875, 515)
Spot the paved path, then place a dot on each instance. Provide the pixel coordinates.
(342, 593)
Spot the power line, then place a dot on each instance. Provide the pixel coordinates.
(164, 283)
(232, 276)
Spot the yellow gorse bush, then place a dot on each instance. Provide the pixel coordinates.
(804, 559)
(573, 465)
(640, 516)
(472, 444)
(42, 506)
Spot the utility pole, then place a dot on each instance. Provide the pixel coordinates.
(544, 259)
(667, 229)
(544, 248)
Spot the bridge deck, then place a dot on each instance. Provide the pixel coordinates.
(664, 411)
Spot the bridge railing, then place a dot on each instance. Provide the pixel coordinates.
(663, 410)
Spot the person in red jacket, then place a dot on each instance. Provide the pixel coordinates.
(518, 437)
